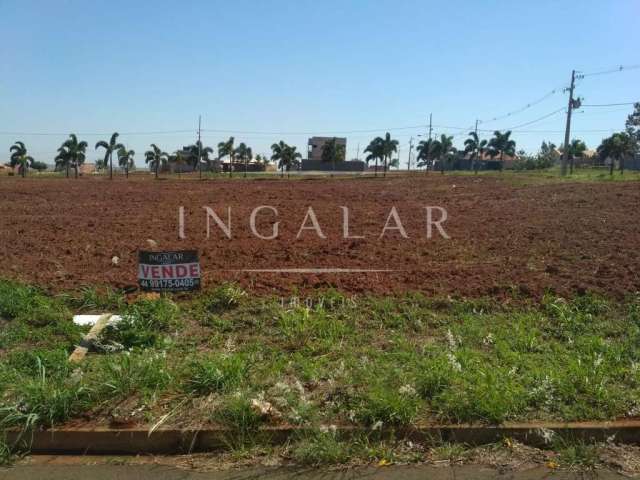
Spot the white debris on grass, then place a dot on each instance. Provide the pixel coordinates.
(84, 320)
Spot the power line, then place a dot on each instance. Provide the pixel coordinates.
(527, 106)
(618, 69)
(608, 104)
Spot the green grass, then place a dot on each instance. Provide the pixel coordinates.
(376, 362)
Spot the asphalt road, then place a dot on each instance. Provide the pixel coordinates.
(157, 472)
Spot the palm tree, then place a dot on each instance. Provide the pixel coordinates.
(286, 156)
(245, 155)
(155, 157)
(109, 148)
(19, 157)
(576, 149)
(617, 147)
(376, 151)
(62, 160)
(389, 146)
(442, 149)
(73, 152)
(426, 150)
(476, 148)
(125, 159)
(501, 144)
(332, 152)
(224, 149)
(278, 153)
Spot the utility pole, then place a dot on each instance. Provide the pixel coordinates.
(409, 158)
(199, 147)
(567, 131)
(430, 129)
(475, 163)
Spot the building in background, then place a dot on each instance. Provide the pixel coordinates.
(315, 145)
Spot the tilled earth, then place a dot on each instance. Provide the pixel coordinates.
(505, 238)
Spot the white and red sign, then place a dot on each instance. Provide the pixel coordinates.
(168, 271)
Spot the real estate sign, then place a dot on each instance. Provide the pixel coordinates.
(168, 271)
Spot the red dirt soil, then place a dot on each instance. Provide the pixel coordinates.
(564, 237)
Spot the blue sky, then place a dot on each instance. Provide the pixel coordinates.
(271, 70)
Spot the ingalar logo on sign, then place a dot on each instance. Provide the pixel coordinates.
(168, 271)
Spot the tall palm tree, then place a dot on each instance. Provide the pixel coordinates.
(224, 149)
(109, 147)
(245, 155)
(74, 153)
(19, 157)
(376, 151)
(125, 160)
(442, 149)
(389, 146)
(476, 148)
(286, 156)
(426, 150)
(62, 160)
(155, 157)
(501, 144)
(279, 155)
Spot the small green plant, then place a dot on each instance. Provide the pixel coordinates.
(215, 373)
(101, 299)
(238, 414)
(223, 297)
(385, 404)
(302, 325)
(321, 448)
(143, 323)
(45, 399)
(576, 453)
(24, 303)
(123, 374)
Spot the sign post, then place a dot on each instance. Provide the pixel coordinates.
(168, 271)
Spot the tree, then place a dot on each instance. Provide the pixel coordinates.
(333, 152)
(19, 157)
(576, 149)
(442, 149)
(39, 166)
(617, 147)
(155, 157)
(62, 160)
(501, 144)
(125, 160)
(475, 148)
(389, 147)
(286, 156)
(376, 151)
(224, 149)
(109, 148)
(245, 155)
(73, 153)
(633, 123)
(426, 150)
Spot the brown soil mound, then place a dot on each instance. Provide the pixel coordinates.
(566, 237)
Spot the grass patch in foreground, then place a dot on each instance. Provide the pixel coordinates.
(224, 358)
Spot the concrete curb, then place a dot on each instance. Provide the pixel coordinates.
(173, 441)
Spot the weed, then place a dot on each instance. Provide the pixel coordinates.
(223, 297)
(123, 374)
(238, 414)
(321, 448)
(28, 304)
(388, 405)
(143, 323)
(215, 373)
